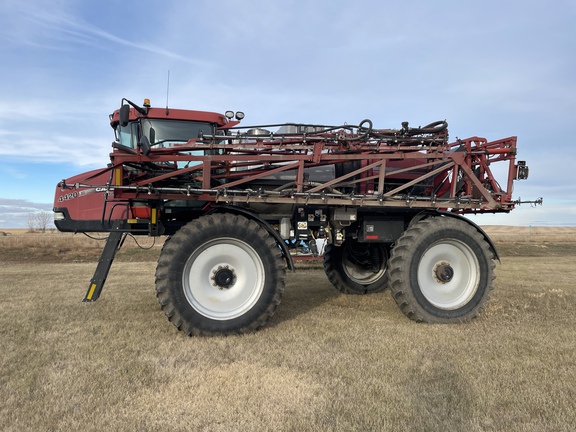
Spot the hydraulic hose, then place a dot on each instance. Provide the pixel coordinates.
(432, 128)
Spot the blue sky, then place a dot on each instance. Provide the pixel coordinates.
(491, 68)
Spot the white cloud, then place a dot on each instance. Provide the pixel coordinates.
(14, 213)
(57, 27)
(79, 151)
(37, 109)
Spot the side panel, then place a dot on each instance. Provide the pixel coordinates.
(82, 208)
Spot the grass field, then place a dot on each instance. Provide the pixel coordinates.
(325, 361)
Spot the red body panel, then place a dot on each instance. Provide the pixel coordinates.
(87, 203)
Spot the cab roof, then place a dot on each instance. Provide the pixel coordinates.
(172, 114)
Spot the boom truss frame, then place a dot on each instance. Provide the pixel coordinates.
(390, 170)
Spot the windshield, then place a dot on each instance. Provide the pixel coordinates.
(163, 133)
(174, 131)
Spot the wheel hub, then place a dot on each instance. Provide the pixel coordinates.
(223, 277)
(443, 272)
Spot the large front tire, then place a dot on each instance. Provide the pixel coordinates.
(441, 270)
(220, 274)
(356, 268)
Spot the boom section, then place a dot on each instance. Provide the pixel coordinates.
(342, 166)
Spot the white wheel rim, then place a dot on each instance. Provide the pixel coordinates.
(217, 302)
(464, 270)
(359, 274)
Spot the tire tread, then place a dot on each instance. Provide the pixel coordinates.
(173, 252)
(399, 268)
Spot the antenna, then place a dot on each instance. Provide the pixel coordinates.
(167, 92)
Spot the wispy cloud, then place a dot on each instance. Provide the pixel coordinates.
(78, 151)
(19, 205)
(37, 109)
(56, 28)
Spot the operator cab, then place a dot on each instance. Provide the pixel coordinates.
(161, 133)
(148, 128)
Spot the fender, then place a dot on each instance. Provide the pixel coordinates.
(425, 214)
(263, 223)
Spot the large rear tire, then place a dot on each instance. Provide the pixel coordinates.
(220, 274)
(441, 270)
(356, 268)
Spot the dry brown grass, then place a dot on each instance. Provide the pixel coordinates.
(56, 247)
(326, 361)
(535, 234)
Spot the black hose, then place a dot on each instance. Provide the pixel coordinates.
(364, 132)
(432, 128)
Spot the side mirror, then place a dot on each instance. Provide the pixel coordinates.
(152, 135)
(144, 144)
(124, 115)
